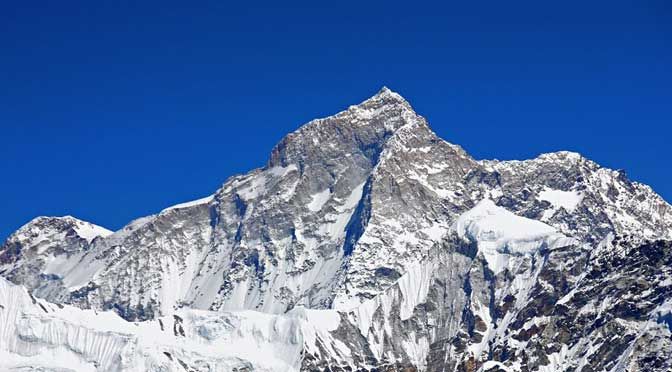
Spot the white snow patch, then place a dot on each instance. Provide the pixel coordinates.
(281, 171)
(254, 187)
(344, 210)
(500, 233)
(325, 319)
(568, 200)
(488, 222)
(414, 286)
(90, 231)
(490, 364)
(319, 199)
(192, 203)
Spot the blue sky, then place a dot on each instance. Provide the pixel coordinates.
(114, 110)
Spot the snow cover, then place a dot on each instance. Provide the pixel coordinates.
(318, 200)
(493, 364)
(488, 222)
(568, 200)
(37, 334)
(414, 286)
(90, 231)
(558, 198)
(193, 203)
(31, 231)
(501, 233)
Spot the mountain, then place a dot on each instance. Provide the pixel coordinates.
(366, 242)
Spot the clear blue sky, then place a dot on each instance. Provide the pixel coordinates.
(114, 110)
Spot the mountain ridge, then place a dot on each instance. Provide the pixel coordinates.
(367, 215)
(384, 141)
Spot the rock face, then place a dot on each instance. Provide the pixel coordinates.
(410, 254)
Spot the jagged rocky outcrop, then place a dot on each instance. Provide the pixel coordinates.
(416, 255)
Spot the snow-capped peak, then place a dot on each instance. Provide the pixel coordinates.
(362, 129)
(41, 227)
(90, 231)
(568, 156)
(433, 259)
(386, 92)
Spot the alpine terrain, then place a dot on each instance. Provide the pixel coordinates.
(366, 243)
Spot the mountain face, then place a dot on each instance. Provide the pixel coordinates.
(365, 243)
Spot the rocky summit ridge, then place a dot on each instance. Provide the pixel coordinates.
(365, 243)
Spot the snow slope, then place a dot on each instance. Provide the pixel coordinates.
(40, 335)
